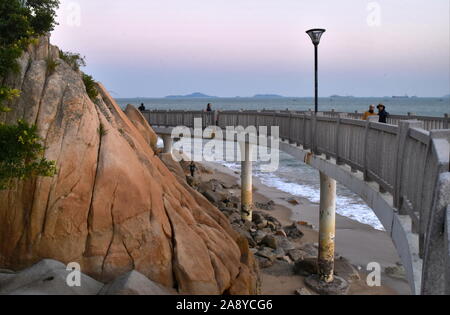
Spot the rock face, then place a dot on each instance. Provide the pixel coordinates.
(114, 206)
(142, 125)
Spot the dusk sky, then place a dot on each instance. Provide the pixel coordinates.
(244, 47)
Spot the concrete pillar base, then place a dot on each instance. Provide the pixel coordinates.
(337, 287)
(247, 182)
(168, 144)
(327, 229)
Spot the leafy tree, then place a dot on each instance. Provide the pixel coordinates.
(21, 154)
(21, 22)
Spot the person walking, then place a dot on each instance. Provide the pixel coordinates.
(370, 112)
(383, 114)
(192, 168)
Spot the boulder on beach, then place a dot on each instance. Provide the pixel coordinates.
(48, 277)
(134, 283)
(113, 206)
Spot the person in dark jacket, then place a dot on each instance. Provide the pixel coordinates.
(209, 108)
(382, 113)
(142, 107)
(192, 168)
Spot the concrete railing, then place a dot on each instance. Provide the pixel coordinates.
(429, 123)
(447, 250)
(407, 161)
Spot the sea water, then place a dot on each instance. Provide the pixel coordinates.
(301, 180)
(293, 176)
(397, 106)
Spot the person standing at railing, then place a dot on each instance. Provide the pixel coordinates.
(142, 107)
(383, 114)
(370, 112)
(209, 107)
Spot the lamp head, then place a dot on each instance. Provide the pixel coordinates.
(315, 35)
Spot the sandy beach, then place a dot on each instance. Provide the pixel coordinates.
(359, 243)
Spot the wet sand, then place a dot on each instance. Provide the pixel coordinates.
(361, 244)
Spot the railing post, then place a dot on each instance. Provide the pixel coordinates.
(366, 154)
(336, 141)
(446, 121)
(370, 119)
(402, 136)
(314, 133)
(435, 278)
(447, 251)
(304, 143)
(290, 128)
(168, 142)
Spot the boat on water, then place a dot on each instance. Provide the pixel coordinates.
(405, 96)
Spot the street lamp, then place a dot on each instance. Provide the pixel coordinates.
(315, 35)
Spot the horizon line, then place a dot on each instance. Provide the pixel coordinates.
(275, 97)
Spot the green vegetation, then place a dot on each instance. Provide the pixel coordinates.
(21, 154)
(73, 60)
(102, 130)
(76, 61)
(51, 66)
(91, 90)
(21, 22)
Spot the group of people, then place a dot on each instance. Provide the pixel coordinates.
(142, 108)
(383, 115)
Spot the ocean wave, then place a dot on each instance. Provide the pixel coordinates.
(347, 204)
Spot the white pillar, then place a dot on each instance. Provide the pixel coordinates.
(246, 181)
(168, 142)
(327, 231)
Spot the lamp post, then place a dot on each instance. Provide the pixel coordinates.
(315, 35)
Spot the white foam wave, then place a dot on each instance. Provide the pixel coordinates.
(349, 206)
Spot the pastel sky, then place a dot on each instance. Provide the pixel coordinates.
(244, 47)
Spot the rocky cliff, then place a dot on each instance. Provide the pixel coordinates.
(113, 205)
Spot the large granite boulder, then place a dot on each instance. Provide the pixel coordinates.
(113, 206)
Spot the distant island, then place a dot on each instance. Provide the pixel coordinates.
(340, 96)
(268, 96)
(193, 95)
(201, 95)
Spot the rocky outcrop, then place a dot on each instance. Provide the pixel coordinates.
(142, 125)
(113, 206)
(51, 277)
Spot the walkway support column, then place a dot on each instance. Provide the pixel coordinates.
(246, 181)
(327, 230)
(168, 143)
